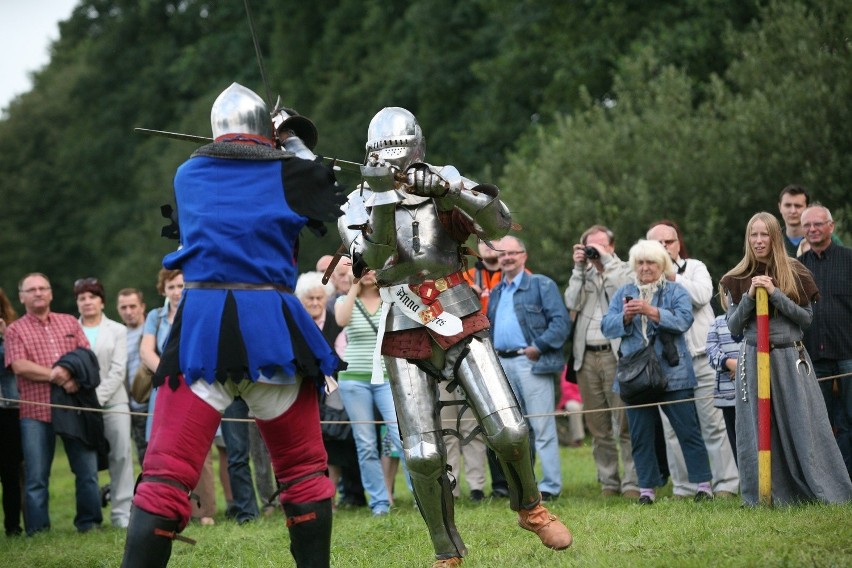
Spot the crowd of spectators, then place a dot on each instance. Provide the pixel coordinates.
(706, 443)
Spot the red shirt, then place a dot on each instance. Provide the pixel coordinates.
(570, 391)
(43, 343)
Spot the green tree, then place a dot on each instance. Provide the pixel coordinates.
(531, 84)
(652, 152)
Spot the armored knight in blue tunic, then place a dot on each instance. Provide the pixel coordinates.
(239, 331)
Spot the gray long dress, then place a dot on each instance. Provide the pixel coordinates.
(806, 461)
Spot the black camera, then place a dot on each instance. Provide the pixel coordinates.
(591, 252)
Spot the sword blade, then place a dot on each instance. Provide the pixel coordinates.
(175, 135)
(335, 163)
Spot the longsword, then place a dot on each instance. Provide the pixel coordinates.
(335, 163)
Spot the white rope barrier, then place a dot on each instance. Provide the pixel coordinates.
(248, 420)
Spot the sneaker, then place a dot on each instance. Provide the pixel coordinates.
(609, 493)
(500, 492)
(547, 526)
(630, 494)
(476, 495)
(703, 496)
(545, 496)
(646, 500)
(447, 562)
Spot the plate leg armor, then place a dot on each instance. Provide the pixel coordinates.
(492, 399)
(494, 404)
(415, 396)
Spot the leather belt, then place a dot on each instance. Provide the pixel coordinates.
(510, 354)
(775, 345)
(428, 290)
(235, 286)
(598, 348)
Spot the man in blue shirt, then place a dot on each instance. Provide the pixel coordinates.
(529, 326)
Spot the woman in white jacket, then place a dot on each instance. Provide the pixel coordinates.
(108, 339)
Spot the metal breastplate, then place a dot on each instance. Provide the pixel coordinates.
(424, 249)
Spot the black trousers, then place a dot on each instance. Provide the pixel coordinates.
(11, 464)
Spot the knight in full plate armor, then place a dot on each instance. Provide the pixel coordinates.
(239, 331)
(409, 221)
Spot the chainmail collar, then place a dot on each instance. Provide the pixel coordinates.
(237, 151)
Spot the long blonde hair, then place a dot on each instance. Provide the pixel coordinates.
(779, 266)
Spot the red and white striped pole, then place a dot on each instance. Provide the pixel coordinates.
(764, 401)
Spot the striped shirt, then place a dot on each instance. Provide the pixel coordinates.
(720, 346)
(362, 343)
(43, 343)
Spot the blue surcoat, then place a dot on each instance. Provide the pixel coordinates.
(237, 225)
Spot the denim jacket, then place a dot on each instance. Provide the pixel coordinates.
(542, 317)
(675, 317)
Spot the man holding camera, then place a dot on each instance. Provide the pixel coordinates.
(597, 274)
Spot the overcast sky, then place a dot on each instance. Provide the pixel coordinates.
(26, 29)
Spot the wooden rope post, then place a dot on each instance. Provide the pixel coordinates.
(764, 401)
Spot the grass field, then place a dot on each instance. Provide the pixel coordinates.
(607, 532)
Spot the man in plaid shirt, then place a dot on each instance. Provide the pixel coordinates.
(33, 345)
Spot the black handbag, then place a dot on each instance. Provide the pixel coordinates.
(331, 410)
(640, 376)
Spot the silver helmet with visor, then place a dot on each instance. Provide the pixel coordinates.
(395, 138)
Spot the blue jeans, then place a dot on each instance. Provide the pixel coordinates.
(236, 435)
(359, 397)
(39, 444)
(535, 393)
(840, 408)
(684, 421)
(149, 420)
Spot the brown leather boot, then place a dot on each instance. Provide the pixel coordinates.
(447, 562)
(548, 527)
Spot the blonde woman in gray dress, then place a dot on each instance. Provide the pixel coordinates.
(806, 462)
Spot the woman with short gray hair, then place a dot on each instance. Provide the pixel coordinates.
(653, 307)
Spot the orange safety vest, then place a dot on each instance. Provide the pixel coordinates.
(485, 280)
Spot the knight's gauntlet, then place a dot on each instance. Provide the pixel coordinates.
(424, 182)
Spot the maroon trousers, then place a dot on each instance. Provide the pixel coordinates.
(183, 431)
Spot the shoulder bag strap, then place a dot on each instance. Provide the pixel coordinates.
(361, 309)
